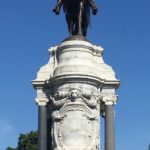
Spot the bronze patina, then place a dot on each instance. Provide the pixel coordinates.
(77, 14)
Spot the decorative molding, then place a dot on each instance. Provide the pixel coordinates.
(110, 99)
(74, 95)
(75, 108)
(41, 98)
(98, 50)
(68, 123)
(52, 50)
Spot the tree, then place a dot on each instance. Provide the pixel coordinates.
(149, 147)
(26, 141)
(9, 148)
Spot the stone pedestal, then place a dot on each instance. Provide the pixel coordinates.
(75, 85)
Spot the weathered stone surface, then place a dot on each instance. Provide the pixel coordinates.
(77, 83)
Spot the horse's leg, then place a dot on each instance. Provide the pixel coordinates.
(85, 22)
(75, 25)
(69, 22)
(85, 18)
(84, 28)
(75, 32)
(80, 19)
(71, 28)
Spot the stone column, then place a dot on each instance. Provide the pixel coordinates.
(109, 122)
(42, 101)
(40, 84)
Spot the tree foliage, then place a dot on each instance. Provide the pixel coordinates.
(9, 148)
(26, 142)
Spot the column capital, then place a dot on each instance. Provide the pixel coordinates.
(41, 98)
(110, 99)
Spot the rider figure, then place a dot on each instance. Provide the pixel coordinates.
(57, 8)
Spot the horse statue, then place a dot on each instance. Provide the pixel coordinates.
(77, 14)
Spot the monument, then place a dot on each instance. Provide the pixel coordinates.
(75, 88)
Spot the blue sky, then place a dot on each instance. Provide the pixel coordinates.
(28, 28)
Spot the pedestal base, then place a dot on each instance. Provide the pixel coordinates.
(75, 81)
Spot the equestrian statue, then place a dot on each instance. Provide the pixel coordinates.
(77, 14)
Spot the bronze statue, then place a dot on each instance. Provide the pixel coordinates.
(77, 14)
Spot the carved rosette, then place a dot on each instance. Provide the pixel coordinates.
(76, 120)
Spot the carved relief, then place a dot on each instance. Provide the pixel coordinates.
(73, 95)
(76, 120)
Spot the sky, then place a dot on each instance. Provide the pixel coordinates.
(28, 28)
